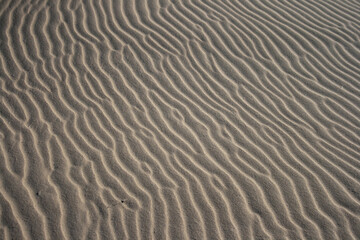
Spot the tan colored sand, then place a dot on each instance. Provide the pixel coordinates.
(179, 119)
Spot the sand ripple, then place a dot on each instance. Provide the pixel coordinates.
(179, 119)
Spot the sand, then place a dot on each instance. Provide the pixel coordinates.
(180, 119)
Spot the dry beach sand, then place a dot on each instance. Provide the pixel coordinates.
(180, 119)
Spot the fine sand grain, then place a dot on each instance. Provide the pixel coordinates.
(179, 119)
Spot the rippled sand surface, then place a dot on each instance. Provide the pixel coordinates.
(180, 119)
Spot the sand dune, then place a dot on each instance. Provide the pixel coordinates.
(180, 119)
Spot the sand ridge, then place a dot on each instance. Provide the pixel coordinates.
(179, 119)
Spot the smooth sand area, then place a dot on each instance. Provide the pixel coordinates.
(179, 119)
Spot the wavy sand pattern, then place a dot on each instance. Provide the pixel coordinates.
(180, 119)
